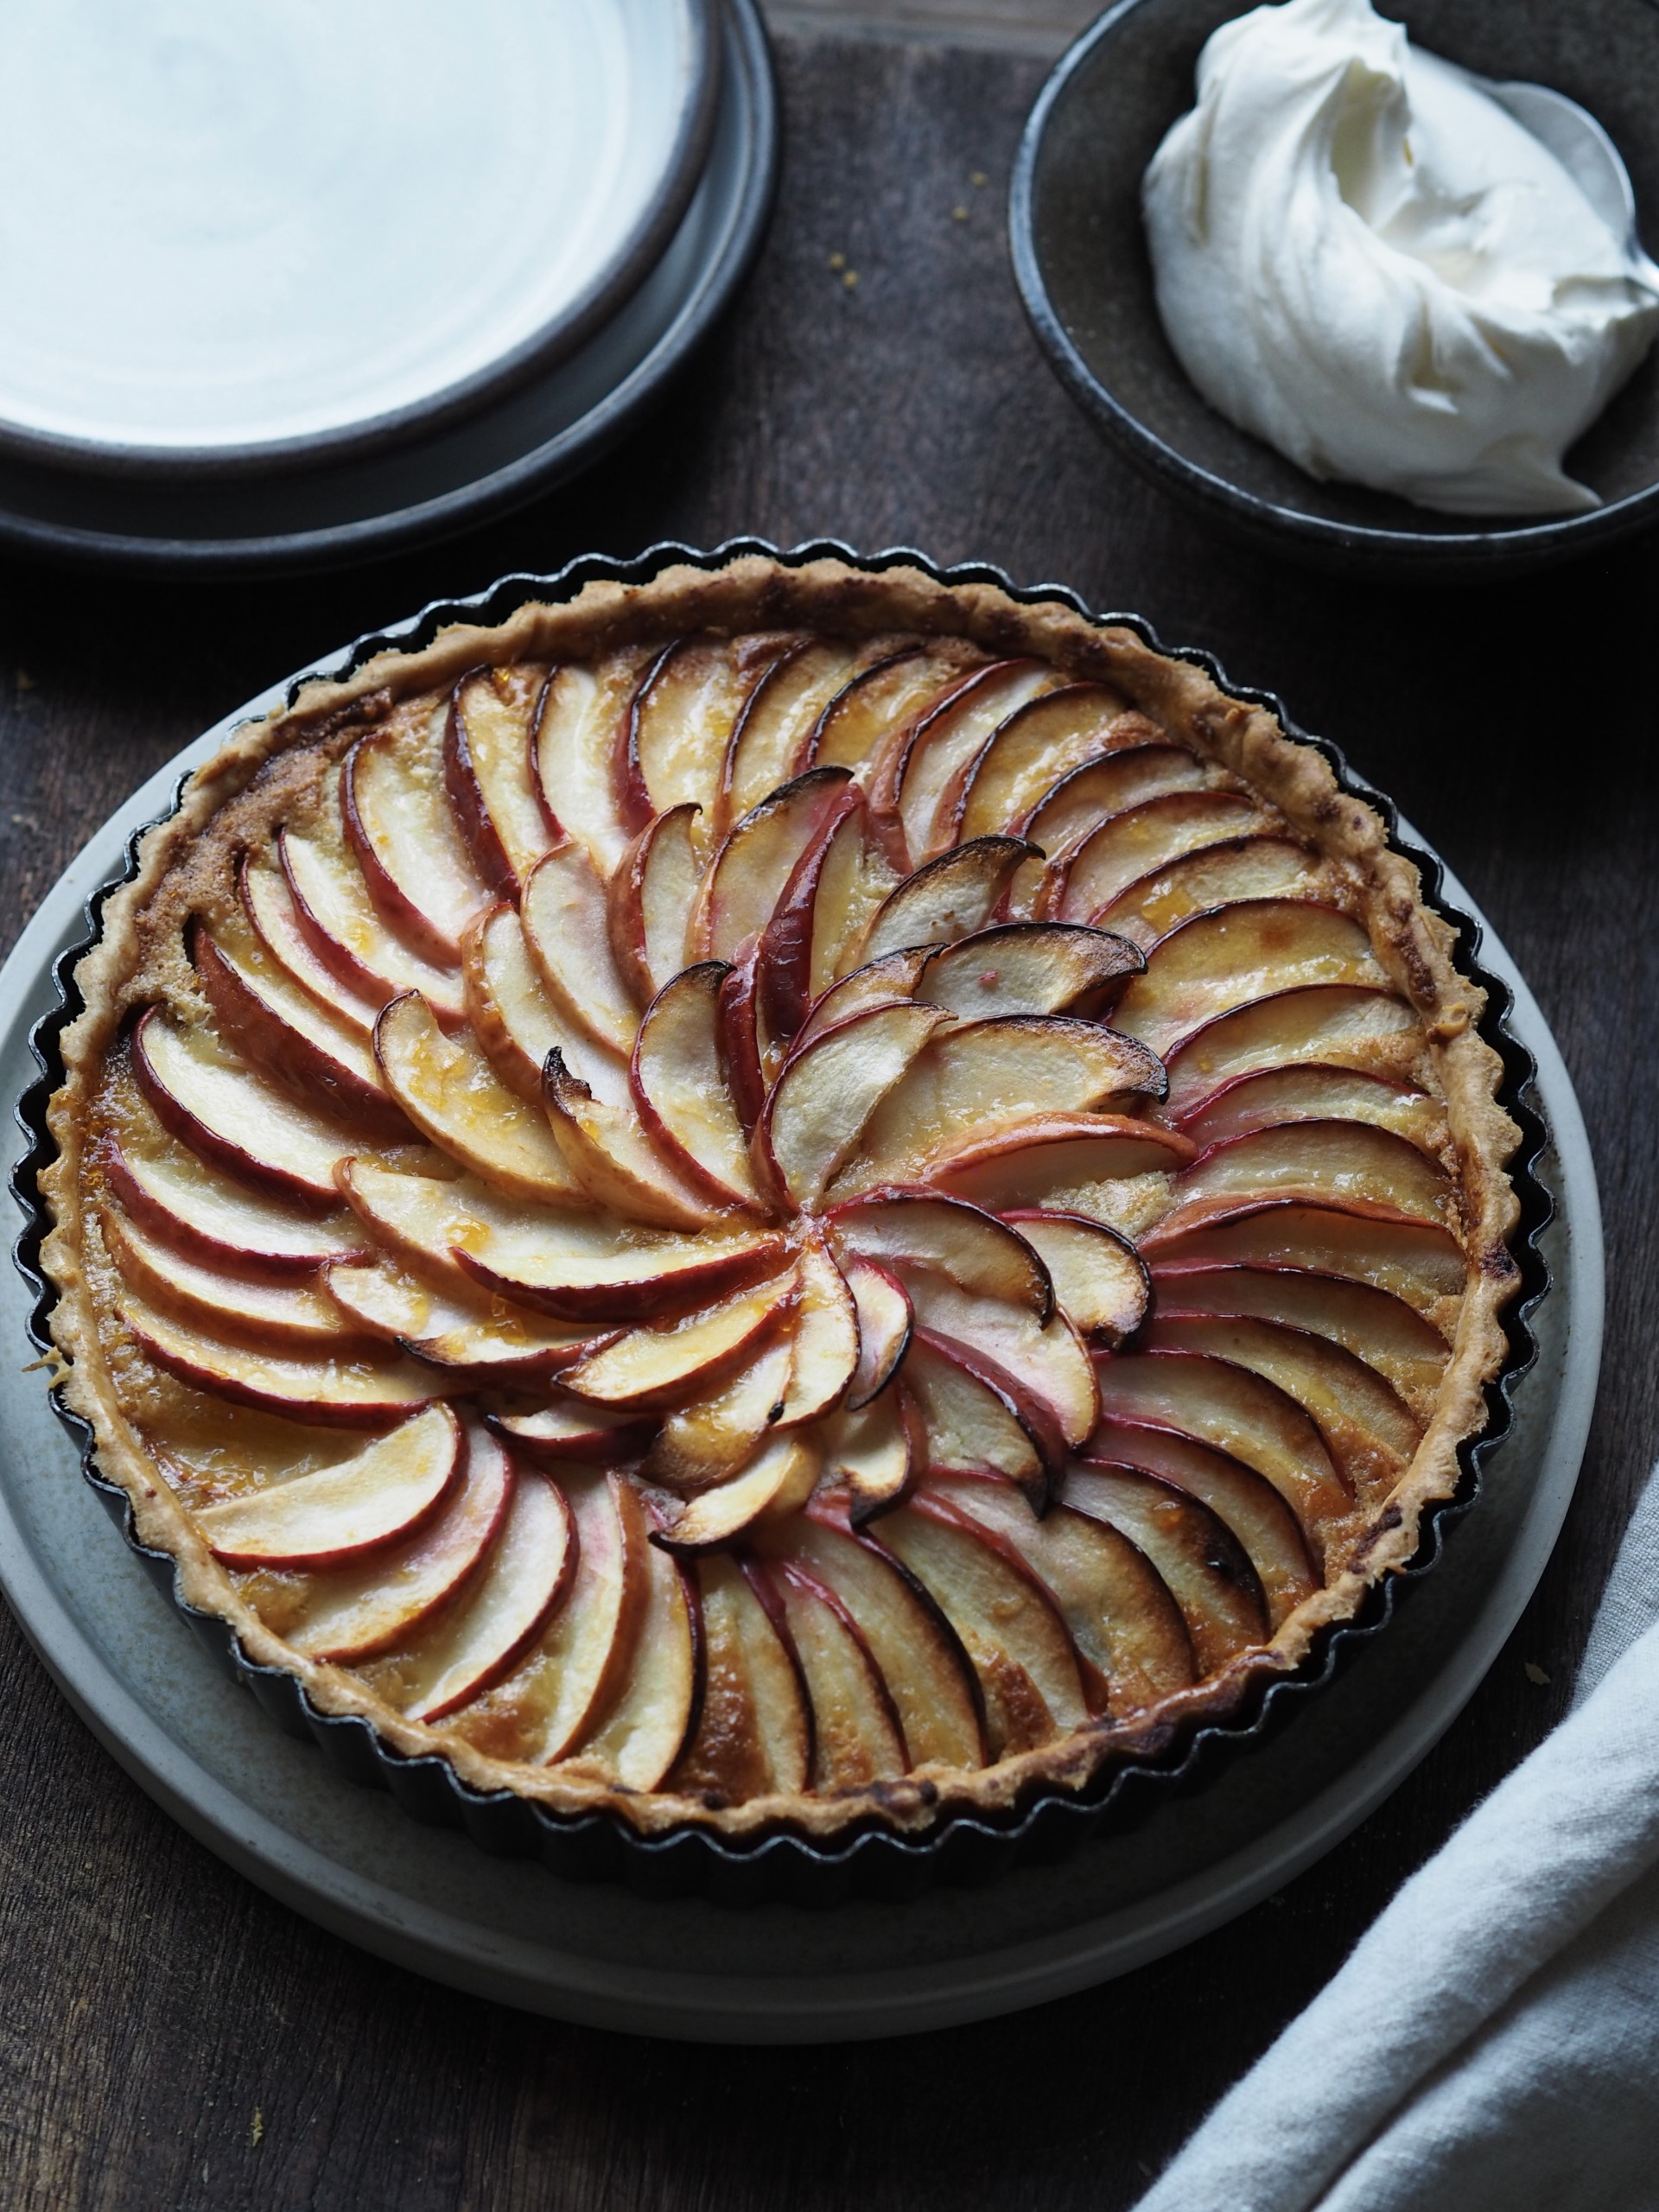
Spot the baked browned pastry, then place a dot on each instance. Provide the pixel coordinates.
(780, 1197)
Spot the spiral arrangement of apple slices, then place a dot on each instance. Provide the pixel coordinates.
(767, 1214)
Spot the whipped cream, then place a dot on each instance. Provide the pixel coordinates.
(1363, 258)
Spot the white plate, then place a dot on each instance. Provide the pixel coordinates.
(348, 1859)
(245, 234)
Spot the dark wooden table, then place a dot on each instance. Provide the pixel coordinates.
(170, 2038)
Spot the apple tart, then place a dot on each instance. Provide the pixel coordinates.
(786, 1198)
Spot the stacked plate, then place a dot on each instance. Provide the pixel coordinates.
(298, 287)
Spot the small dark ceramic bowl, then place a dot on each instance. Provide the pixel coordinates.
(1080, 255)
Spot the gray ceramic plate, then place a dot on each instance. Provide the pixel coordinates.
(1081, 259)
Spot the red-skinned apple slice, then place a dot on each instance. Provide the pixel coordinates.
(1337, 1024)
(476, 1641)
(331, 904)
(901, 1228)
(979, 1417)
(712, 1438)
(818, 1110)
(567, 1429)
(214, 1221)
(924, 775)
(769, 740)
(857, 1736)
(777, 1481)
(489, 776)
(1087, 794)
(484, 1338)
(1258, 867)
(825, 1336)
(1024, 967)
(1092, 1164)
(518, 1025)
(947, 898)
(281, 1316)
(355, 1611)
(385, 1490)
(615, 1159)
(400, 830)
(657, 1365)
(232, 1118)
(1329, 1160)
(1099, 1279)
(1005, 1617)
(680, 1088)
(891, 982)
(875, 1452)
(1202, 1564)
(754, 1735)
(884, 1326)
(743, 1053)
(1118, 1607)
(1220, 1404)
(650, 900)
(292, 1040)
(1049, 1360)
(801, 943)
(920, 1656)
(645, 1731)
(1248, 1504)
(334, 1393)
(855, 878)
(1024, 756)
(1314, 1092)
(679, 727)
(567, 930)
(1230, 956)
(884, 697)
(1417, 1262)
(1088, 875)
(749, 876)
(574, 748)
(451, 1094)
(275, 920)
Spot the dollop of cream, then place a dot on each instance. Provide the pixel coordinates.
(1363, 258)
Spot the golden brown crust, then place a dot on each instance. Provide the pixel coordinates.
(140, 936)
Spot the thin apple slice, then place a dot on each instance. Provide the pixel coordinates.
(1202, 1564)
(891, 982)
(945, 741)
(1255, 866)
(639, 1738)
(854, 879)
(568, 1429)
(484, 1338)
(291, 1316)
(651, 898)
(290, 1039)
(947, 898)
(680, 726)
(1248, 1504)
(574, 747)
(1371, 1430)
(1098, 1165)
(681, 1090)
(818, 1110)
(614, 1158)
(920, 1656)
(451, 1094)
(769, 741)
(489, 775)
(857, 1736)
(884, 1326)
(337, 1392)
(777, 1481)
(1419, 1263)
(744, 1054)
(985, 1075)
(385, 1490)
(357, 1611)
(902, 1228)
(1088, 876)
(472, 1643)
(885, 697)
(815, 916)
(748, 875)
(1340, 1025)
(518, 1025)
(1048, 1359)
(1218, 1403)
(753, 1734)
(655, 1365)
(875, 1452)
(1316, 1092)
(401, 830)
(1330, 1161)
(567, 934)
(712, 1438)
(560, 1276)
(233, 1118)
(275, 920)
(825, 1336)
(1117, 1605)
(215, 1221)
(1024, 967)
(1099, 1279)
(331, 904)
(980, 1418)
(1005, 1617)
(1088, 794)
(1026, 755)
(1225, 958)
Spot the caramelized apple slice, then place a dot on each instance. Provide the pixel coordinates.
(1005, 1617)
(275, 920)
(769, 742)
(655, 1365)
(484, 1336)
(489, 775)
(642, 1279)
(980, 1417)
(1255, 866)
(337, 1392)
(1224, 1406)
(1099, 1279)
(885, 697)
(449, 1091)
(923, 1228)
(1048, 1359)
(947, 898)
(884, 1326)
(857, 1736)
(615, 1159)
(1226, 958)
(1096, 789)
(1332, 1160)
(680, 1086)
(381, 1492)
(1200, 1562)
(852, 880)
(1025, 755)
(650, 901)
(1092, 1164)
(748, 875)
(1418, 1262)
(1313, 1092)
(1024, 967)
(1245, 1501)
(515, 1022)
(216, 1222)
(331, 905)
(403, 837)
(817, 1111)
(711, 1438)
(754, 1735)
(825, 1334)
(291, 1316)
(819, 915)
(945, 741)
(777, 1481)
(891, 982)
(645, 1731)
(1088, 875)
(568, 933)
(568, 1429)
(1340, 1024)
(875, 1452)
(355, 1611)
(675, 737)
(574, 742)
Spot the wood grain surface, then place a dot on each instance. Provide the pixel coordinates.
(170, 2038)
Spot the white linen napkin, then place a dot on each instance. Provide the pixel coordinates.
(1492, 2044)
